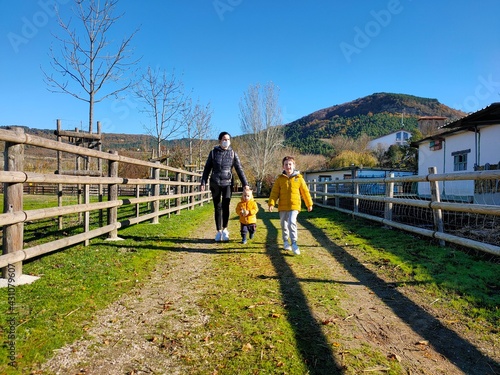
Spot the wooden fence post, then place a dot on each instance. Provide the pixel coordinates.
(325, 192)
(12, 202)
(436, 197)
(99, 168)
(337, 199)
(192, 198)
(389, 193)
(113, 196)
(198, 189)
(355, 190)
(178, 190)
(137, 206)
(155, 206)
(59, 168)
(86, 214)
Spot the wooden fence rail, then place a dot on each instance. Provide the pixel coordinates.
(345, 196)
(181, 193)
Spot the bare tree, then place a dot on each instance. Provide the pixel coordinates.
(342, 143)
(87, 58)
(199, 128)
(260, 116)
(165, 102)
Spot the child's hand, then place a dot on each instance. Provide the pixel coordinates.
(271, 208)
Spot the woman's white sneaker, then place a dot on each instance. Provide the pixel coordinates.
(225, 235)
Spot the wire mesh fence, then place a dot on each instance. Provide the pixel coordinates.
(462, 208)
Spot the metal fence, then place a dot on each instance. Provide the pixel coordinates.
(459, 208)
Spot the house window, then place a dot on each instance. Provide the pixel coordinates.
(460, 160)
(435, 145)
(402, 138)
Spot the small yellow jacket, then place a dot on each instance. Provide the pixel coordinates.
(251, 207)
(287, 191)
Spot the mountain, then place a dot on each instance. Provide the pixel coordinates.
(374, 115)
(385, 102)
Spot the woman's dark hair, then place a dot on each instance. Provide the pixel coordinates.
(223, 134)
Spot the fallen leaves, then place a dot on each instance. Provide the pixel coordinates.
(247, 347)
(394, 357)
(422, 344)
(328, 321)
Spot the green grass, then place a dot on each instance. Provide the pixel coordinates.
(77, 282)
(46, 230)
(268, 313)
(464, 281)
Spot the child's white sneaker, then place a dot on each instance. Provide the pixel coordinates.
(295, 248)
(286, 245)
(225, 235)
(218, 236)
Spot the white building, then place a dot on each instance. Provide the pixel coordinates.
(465, 145)
(400, 138)
(355, 172)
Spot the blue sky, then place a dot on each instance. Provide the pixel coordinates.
(319, 53)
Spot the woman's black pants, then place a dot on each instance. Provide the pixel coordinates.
(221, 196)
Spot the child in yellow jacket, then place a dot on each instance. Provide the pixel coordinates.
(247, 211)
(288, 189)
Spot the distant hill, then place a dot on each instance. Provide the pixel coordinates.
(110, 141)
(374, 115)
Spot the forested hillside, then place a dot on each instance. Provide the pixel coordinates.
(374, 115)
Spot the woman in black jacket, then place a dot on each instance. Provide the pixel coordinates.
(220, 162)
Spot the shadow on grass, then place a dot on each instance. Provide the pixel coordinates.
(187, 245)
(456, 349)
(311, 341)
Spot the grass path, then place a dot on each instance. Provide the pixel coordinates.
(228, 308)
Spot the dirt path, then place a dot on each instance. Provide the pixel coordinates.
(399, 322)
(126, 337)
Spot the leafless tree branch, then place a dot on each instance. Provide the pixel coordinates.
(87, 62)
(260, 117)
(165, 102)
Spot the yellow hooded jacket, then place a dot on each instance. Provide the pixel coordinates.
(287, 191)
(251, 207)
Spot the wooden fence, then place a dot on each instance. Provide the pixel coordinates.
(395, 202)
(176, 194)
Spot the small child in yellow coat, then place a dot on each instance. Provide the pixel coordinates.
(288, 189)
(247, 211)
